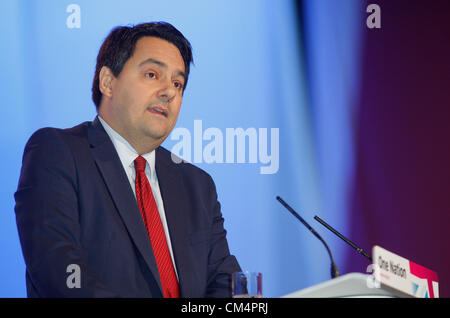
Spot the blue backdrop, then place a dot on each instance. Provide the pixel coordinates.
(251, 71)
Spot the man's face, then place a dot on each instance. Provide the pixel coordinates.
(146, 97)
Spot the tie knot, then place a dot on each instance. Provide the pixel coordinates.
(139, 164)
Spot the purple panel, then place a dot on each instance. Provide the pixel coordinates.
(401, 195)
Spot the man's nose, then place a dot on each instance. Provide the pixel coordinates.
(167, 91)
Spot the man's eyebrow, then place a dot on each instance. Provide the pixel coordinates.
(153, 61)
(161, 64)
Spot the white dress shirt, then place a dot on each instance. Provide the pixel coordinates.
(127, 155)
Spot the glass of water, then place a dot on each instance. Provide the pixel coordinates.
(246, 285)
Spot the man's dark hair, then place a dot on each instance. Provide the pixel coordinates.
(120, 44)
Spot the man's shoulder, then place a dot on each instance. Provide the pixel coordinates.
(50, 144)
(52, 135)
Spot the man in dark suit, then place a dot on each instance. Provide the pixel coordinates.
(103, 200)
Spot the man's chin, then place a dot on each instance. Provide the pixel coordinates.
(157, 137)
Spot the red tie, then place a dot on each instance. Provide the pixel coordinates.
(155, 231)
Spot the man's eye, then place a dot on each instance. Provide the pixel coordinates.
(150, 75)
(178, 85)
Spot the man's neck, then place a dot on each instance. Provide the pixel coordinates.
(139, 145)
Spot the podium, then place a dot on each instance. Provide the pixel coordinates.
(353, 285)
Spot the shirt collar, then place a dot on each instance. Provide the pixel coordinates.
(127, 153)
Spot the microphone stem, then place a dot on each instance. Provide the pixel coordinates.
(357, 248)
(334, 269)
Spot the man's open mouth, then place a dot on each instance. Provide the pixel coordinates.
(158, 110)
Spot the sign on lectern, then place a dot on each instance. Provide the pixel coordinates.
(393, 276)
(404, 275)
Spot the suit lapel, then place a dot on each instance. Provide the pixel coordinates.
(116, 180)
(175, 201)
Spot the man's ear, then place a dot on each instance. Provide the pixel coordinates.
(106, 79)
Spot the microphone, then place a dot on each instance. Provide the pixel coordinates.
(346, 240)
(334, 269)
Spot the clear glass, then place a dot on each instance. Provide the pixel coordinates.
(246, 285)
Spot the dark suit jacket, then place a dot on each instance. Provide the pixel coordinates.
(74, 205)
